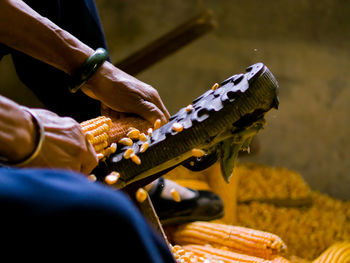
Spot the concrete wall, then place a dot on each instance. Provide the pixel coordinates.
(304, 43)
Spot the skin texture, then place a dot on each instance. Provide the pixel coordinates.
(38, 37)
(65, 145)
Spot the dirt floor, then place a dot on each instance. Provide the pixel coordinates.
(304, 43)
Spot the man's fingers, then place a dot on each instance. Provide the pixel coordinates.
(150, 112)
(90, 161)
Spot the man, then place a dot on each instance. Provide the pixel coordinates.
(40, 206)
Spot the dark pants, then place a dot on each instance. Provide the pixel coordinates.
(58, 211)
(80, 18)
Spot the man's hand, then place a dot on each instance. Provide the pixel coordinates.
(65, 145)
(124, 93)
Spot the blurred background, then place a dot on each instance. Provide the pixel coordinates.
(305, 43)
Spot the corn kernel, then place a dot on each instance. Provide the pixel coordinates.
(175, 195)
(113, 148)
(150, 132)
(143, 137)
(135, 159)
(178, 127)
(92, 178)
(157, 124)
(100, 146)
(144, 147)
(215, 86)
(189, 108)
(133, 134)
(89, 136)
(141, 195)
(128, 153)
(112, 178)
(198, 152)
(100, 156)
(125, 141)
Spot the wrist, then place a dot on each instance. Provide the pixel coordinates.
(88, 69)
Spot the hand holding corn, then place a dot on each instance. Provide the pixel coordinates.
(65, 145)
(124, 93)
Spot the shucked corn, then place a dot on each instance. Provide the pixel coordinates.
(307, 231)
(237, 239)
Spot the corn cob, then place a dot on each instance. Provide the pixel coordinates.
(222, 254)
(103, 133)
(120, 127)
(338, 253)
(237, 239)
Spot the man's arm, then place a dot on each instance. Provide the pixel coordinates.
(25, 30)
(64, 145)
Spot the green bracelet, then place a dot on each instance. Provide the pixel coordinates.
(90, 66)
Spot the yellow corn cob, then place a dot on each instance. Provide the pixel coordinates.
(93, 123)
(221, 254)
(103, 133)
(99, 147)
(120, 127)
(338, 253)
(237, 239)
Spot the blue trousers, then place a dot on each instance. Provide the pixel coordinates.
(56, 210)
(80, 18)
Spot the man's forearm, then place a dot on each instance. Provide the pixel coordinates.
(25, 30)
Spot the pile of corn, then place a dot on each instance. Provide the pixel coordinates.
(307, 231)
(215, 242)
(261, 182)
